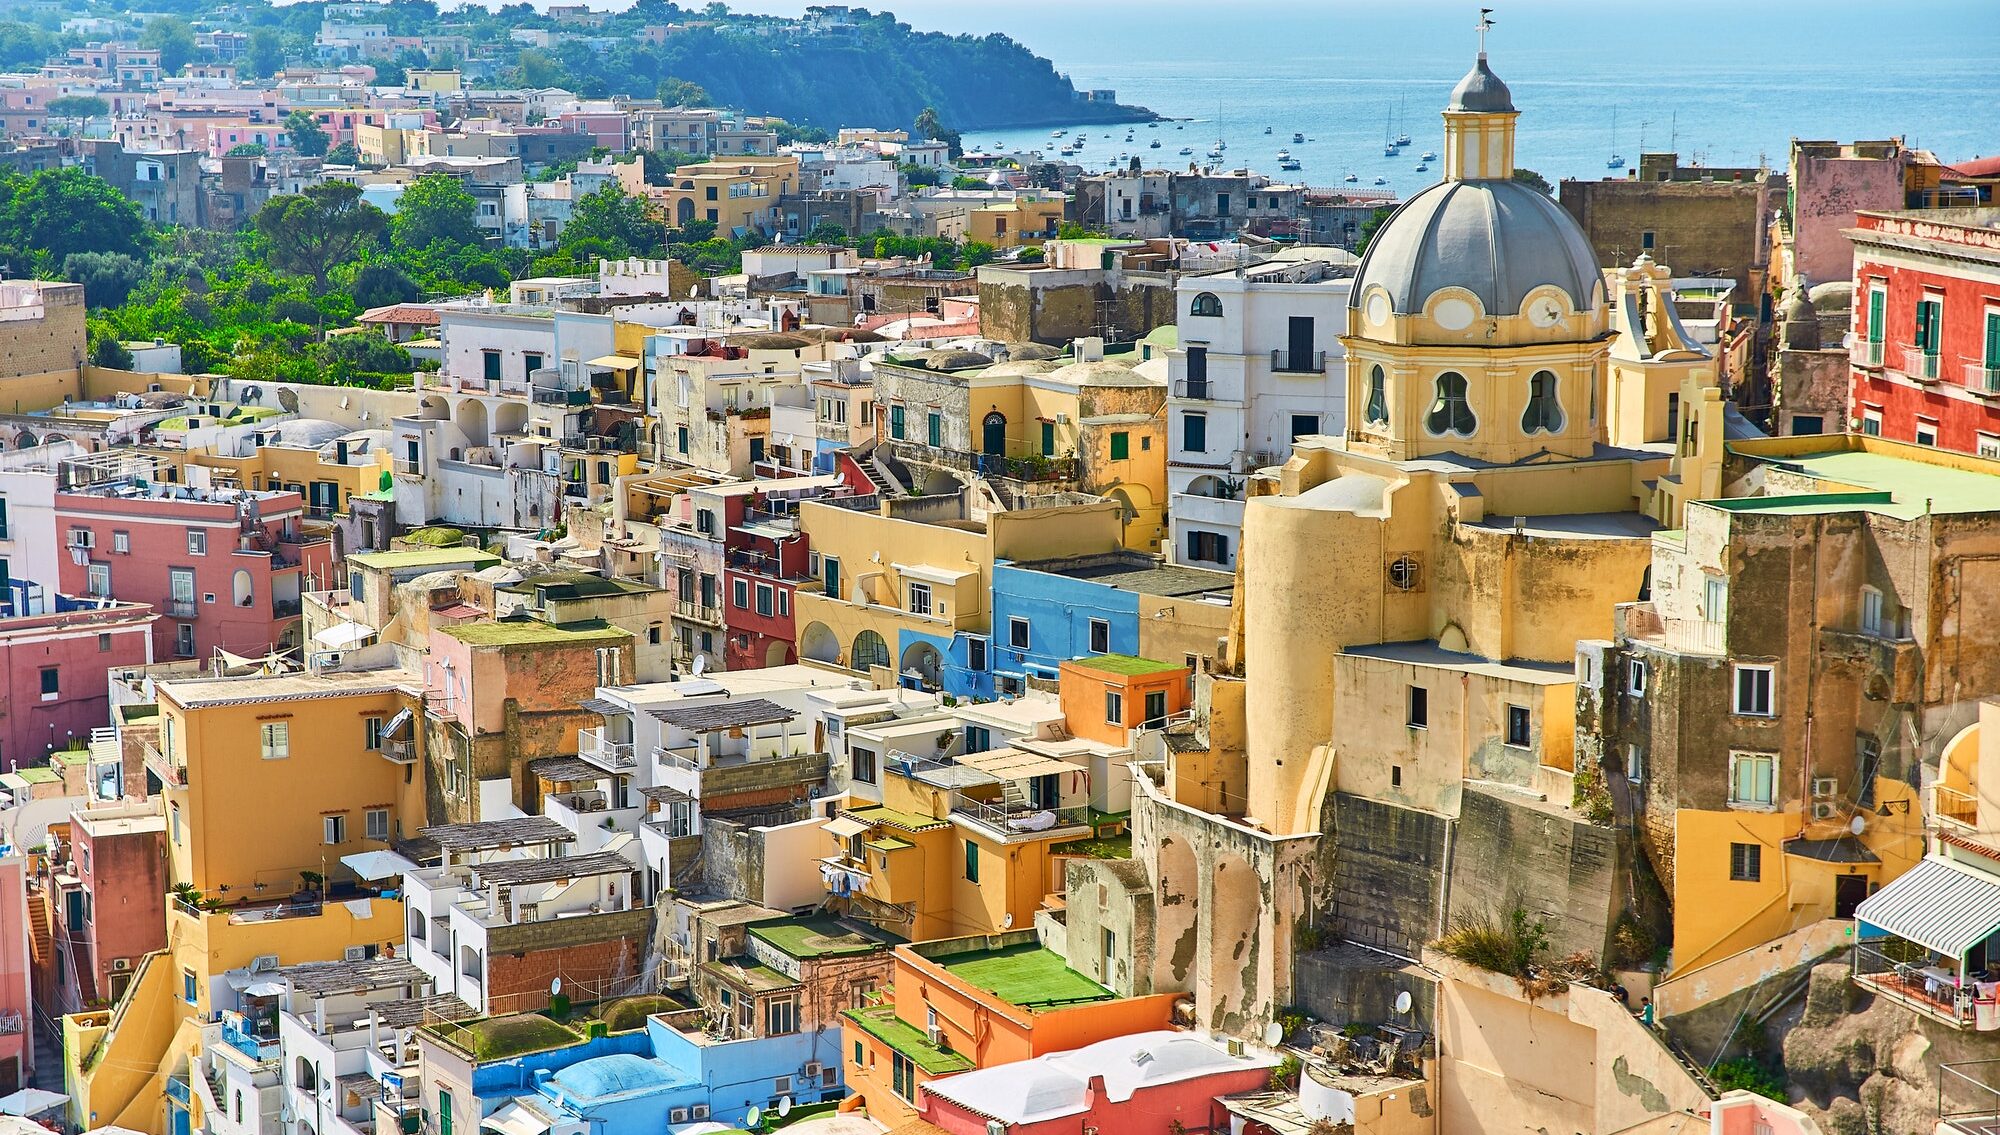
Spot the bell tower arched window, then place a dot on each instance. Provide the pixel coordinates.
(1544, 414)
(1205, 303)
(1378, 396)
(1450, 413)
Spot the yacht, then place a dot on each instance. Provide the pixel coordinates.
(1430, 155)
(1267, 129)
(1351, 178)
(1283, 154)
(1423, 167)
(1187, 151)
(1381, 181)
(1154, 144)
(1289, 164)
(1057, 133)
(1298, 136)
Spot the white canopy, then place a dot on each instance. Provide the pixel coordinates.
(31, 1101)
(374, 866)
(341, 636)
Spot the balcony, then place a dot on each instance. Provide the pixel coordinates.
(1032, 469)
(409, 467)
(1298, 362)
(1917, 364)
(170, 774)
(178, 608)
(1199, 389)
(1866, 354)
(562, 397)
(1930, 987)
(612, 756)
(1955, 807)
(249, 1038)
(1014, 820)
(399, 752)
(697, 611)
(285, 608)
(1983, 378)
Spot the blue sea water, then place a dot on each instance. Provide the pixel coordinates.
(1723, 82)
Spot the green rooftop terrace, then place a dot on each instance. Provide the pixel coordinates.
(883, 1024)
(1127, 664)
(498, 1038)
(1880, 477)
(423, 557)
(819, 937)
(1026, 975)
(534, 632)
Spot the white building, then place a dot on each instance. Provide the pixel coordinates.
(1258, 365)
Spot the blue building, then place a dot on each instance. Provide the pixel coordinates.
(1048, 612)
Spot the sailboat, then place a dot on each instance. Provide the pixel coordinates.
(1617, 159)
(1403, 137)
(1388, 141)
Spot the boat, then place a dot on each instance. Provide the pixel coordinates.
(1154, 144)
(1381, 181)
(1617, 160)
(1403, 137)
(1298, 136)
(1267, 129)
(1187, 151)
(1430, 155)
(1352, 177)
(1423, 167)
(1152, 126)
(1283, 154)
(1289, 164)
(1388, 140)
(1057, 133)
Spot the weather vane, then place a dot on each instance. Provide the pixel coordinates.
(1485, 24)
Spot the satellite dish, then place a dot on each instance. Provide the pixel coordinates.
(1402, 1002)
(1858, 824)
(1007, 921)
(555, 988)
(1273, 1033)
(784, 1107)
(754, 1116)
(700, 664)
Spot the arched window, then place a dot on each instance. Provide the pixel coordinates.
(241, 591)
(869, 650)
(1405, 574)
(1378, 396)
(1544, 414)
(1205, 303)
(1450, 413)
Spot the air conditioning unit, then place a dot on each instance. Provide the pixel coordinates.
(592, 445)
(121, 965)
(700, 1111)
(813, 1068)
(1824, 809)
(263, 963)
(677, 1115)
(935, 1035)
(1825, 787)
(356, 953)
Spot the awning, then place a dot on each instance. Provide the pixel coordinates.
(1013, 764)
(930, 573)
(340, 636)
(374, 866)
(265, 989)
(397, 724)
(31, 1101)
(615, 362)
(846, 827)
(1937, 904)
(513, 1118)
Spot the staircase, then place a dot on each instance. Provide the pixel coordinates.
(1015, 797)
(41, 939)
(877, 477)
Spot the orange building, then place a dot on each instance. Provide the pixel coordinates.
(964, 1003)
(1106, 696)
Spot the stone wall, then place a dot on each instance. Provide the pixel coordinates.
(1699, 228)
(1346, 984)
(1388, 869)
(595, 956)
(1513, 852)
(54, 342)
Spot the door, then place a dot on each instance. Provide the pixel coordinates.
(1299, 342)
(832, 568)
(994, 440)
(1877, 303)
(1156, 708)
(1848, 891)
(444, 1113)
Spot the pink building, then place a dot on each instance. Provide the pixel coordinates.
(54, 654)
(1150, 1083)
(224, 567)
(1746, 1113)
(609, 128)
(1830, 182)
(17, 996)
(110, 883)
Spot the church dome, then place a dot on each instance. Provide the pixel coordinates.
(1498, 240)
(1481, 92)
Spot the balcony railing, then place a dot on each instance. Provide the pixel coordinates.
(1958, 807)
(1983, 378)
(1298, 362)
(178, 608)
(170, 774)
(285, 608)
(562, 397)
(399, 752)
(1867, 353)
(12, 1022)
(1031, 469)
(1200, 389)
(1932, 989)
(697, 610)
(409, 467)
(593, 746)
(687, 758)
(1021, 819)
(1918, 363)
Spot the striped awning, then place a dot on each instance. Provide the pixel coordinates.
(1937, 904)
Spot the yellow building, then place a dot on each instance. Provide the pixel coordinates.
(898, 591)
(737, 193)
(1013, 224)
(325, 467)
(386, 145)
(267, 783)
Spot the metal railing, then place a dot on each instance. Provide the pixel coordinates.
(1298, 362)
(1969, 1101)
(285, 608)
(12, 1022)
(401, 752)
(683, 757)
(1958, 807)
(1867, 353)
(697, 610)
(1931, 990)
(178, 608)
(1013, 819)
(407, 466)
(593, 746)
(1918, 363)
(169, 773)
(1983, 378)
(561, 397)
(1200, 389)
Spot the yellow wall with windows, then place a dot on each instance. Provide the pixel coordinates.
(1014, 223)
(745, 191)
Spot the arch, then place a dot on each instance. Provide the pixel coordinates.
(818, 643)
(241, 592)
(471, 419)
(1451, 411)
(921, 664)
(1378, 395)
(1207, 304)
(778, 653)
(684, 210)
(870, 650)
(510, 418)
(1127, 511)
(939, 482)
(1544, 410)
(1178, 912)
(432, 408)
(1209, 485)
(993, 435)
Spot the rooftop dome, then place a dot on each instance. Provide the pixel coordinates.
(1481, 91)
(953, 359)
(1499, 240)
(615, 1074)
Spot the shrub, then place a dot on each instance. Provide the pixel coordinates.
(1507, 945)
(1743, 1072)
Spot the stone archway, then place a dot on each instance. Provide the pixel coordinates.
(819, 643)
(921, 664)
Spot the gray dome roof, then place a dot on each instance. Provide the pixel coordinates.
(1481, 91)
(1499, 240)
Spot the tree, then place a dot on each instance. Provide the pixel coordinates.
(1534, 181)
(59, 212)
(915, 175)
(308, 136)
(246, 150)
(379, 285)
(107, 277)
(964, 182)
(435, 207)
(1368, 228)
(826, 232)
(930, 126)
(616, 218)
(107, 352)
(78, 106)
(174, 39)
(265, 54)
(681, 92)
(345, 154)
(311, 232)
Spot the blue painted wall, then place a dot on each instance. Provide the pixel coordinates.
(1058, 610)
(956, 676)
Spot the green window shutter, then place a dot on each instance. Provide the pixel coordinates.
(896, 422)
(1048, 439)
(1121, 446)
(1992, 340)
(971, 862)
(1877, 300)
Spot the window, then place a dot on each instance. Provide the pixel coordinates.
(1715, 599)
(1405, 574)
(1100, 636)
(1205, 303)
(896, 421)
(1988, 445)
(275, 738)
(781, 1016)
(371, 730)
(920, 598)
(1197, 372)
(1017, 633)
(681, 438)
(1927, 430)
(1121, 445)
(1646, 241)
(975, 653)
(1871, 611)
(739, 594)
(1635, 677)
(98, 580)
(861, 765)
(1808, 425)
(1544, 414)
(1871, 422)
(1194, 433)
(531, 361)
(1746, 863)
(1378, 396)
(1304, 425)
(190, 987)
(978, 738)
(765, 598)
(1114, 707)
(1753, 691)
(1518, 722)
(971, 862)
(1048, 439)
(1878, 300)
(335, 828)
(903, 1077)
(197, 542)
(1930, 331)
(3, 518)
(1450, 413)
(489, 362)
(1753, 780)
(104, 644)
(1210, 546)
(1156, 709)
(375, 824)
(51, 683)
(1419, 708)
(1635, 764)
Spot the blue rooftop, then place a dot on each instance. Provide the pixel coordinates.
(603, 1078)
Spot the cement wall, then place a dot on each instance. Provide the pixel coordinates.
(1562, 870)
(1389, 867)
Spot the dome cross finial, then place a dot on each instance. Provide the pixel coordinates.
(1485, 25)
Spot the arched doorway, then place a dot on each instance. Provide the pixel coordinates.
(993, 436)
(683, 212)
(921, 666)
(819, 643)
(778, 654)
(870, 651)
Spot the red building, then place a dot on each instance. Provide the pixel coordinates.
(55, 652)
(1149, 1083)
(109, 885)
(1927, 327)
(224, 567)
(766, 557)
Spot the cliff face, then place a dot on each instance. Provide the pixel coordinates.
(881, 73)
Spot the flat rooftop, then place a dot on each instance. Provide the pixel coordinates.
(1138, 574)
(1124, 664)
(422, 557)
(534, 632)
(1577, 525)
(1026, 975)
(198, 692)
(821, 937)
(1872, 480)
(1427, 652)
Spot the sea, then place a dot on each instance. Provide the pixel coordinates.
(1724, 83)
